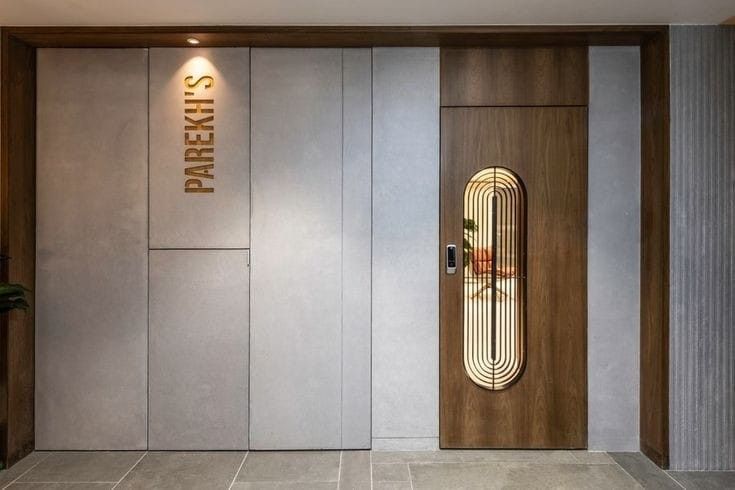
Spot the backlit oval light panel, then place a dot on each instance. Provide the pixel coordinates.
(494, 265)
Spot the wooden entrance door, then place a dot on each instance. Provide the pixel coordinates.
(534, 266)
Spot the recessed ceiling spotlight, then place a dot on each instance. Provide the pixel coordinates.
(192, 40)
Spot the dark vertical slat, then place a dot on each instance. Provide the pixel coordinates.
(17, 240)
(654, 377)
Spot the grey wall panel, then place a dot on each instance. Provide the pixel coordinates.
(702, 233)
(296, 267)
(614, 248)
(356, 241)
(405, 246)
(218, 219)
(198, 374)
(92, 250)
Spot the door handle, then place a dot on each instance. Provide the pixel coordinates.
(451, 258)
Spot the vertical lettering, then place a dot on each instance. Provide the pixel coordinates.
(198, 134)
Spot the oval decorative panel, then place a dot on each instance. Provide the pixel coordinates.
(494, 260)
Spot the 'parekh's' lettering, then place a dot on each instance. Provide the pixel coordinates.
(198, 135)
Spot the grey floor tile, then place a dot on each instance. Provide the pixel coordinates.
(60, 486)
(290, 466)
(475, 456)
(184, 470)
(391, 485)
(645, 471)
(354, 472)
(704, 480)
(82, 467)
(9, 475)
(592, 457)
(285, 486)
(381, 457)
(434, 476)
(394, 472)
(537, 456)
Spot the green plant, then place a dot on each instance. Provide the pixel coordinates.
(12, 296)
(470, 227)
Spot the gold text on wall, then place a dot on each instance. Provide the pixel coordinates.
(494, 295)
(198, 134)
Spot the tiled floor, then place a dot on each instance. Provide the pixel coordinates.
(317, 470)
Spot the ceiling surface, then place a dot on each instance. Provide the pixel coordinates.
(365, 12)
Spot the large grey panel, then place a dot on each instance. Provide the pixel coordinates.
(405, 244)
(92, 249)
(198, 375)
(356, 238)
(702, 232)
(614, 248)
(218, 219)
(296, 267)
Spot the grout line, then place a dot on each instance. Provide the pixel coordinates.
(128, 472)
(371, 470)
(26, 471)
(197, 248)
(628, 473)
(672, 478)
(370, 374)
(407, 437)
(280, 482)
(342, 261)
(65, 482)
(249, 362)
(495, 461)
(339, 471)
(148, 264)
(239, 469)
(506, 106)
(641, 483)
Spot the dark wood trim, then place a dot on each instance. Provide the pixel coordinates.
(654, 370)
(541, 76)
(18, 241)
(17, 167)
(333, 36)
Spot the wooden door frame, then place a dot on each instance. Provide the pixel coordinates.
(17, 174)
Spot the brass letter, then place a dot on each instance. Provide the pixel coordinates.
(198, 106)
(201, 171)
(198, 141)
(195, 155)
(209, 81)
(195, 185)
(198, 124)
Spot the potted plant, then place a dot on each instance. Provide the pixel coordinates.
(12, 296)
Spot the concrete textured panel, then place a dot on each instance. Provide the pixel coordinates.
(198, 367)
(219, 219)
(92, 249)
(614, 248)
(702, 260)
(356, 240)
(405, 382)
(296, 267)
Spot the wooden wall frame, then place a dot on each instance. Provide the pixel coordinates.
(17, 174)
(654, 353)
